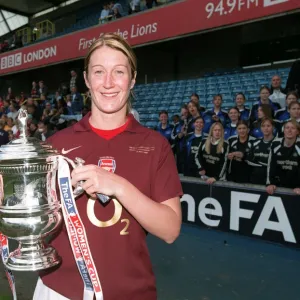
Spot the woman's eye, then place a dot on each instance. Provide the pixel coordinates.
(119, 72)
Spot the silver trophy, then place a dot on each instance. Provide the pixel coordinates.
(29, 209)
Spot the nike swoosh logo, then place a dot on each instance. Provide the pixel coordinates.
(63, 151)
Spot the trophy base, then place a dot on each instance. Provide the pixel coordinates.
(34, 258)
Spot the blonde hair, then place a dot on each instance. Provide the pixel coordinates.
(295, 123)
(221, 141)
(116, 42)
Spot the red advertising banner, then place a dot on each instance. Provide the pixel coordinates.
(176, 19)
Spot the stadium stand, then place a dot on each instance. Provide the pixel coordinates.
(153, 97)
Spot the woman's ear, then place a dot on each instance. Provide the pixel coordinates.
(133, 80)
(86, 79)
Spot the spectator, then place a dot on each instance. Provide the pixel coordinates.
(212, 155)
(6, 104)
(294, 110)
(13, 112)
(264, 111)
(240, 100)
(283, 113)
(135, 6)
(259, 153)
(239, 149)
(276, 91)
(34, 91)
(194, 113)
(149, 3)
(103, 16)
(191, 148)
(115, 6)
(231, 128)
(4, 138)
(76, 81)
(10, 135)
(164, 127)
(195, 98)
(43, 131)
(10, 95)
(264, 99)
(43, 90)
(216, 114)
(9, 124)
(33, 128)
(284, 160)
(77, 101)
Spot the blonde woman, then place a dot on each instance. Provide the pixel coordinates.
(212, 155)
(143, 183)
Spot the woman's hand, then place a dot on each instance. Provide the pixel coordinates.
(211, 180)
(230, 155)
(239, 154)
(97, 180)
(271, 189)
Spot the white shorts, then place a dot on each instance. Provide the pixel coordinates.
(42, 292)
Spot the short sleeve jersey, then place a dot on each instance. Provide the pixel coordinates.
(117, 241)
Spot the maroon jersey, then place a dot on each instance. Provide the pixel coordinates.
(117, 241)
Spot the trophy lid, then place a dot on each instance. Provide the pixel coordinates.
(24, 146)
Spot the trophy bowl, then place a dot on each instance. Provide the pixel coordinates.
(29, 207)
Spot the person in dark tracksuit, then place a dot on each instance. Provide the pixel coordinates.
(164, 128)
(191, 148)
(212, 155)
(264, 99)
(194, 113)
(240, 100)
(264, 111)
(259, 153)
(239, 148)
(283, 114)
(216, 114)
(284, 160)
(195, 98)
(230, 129)
(294, 112)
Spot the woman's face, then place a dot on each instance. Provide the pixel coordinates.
(233, 115)
(217, 101)
(264, 95)
(290, 99)
(163, 118)
(295, 111)
(192, 108)
(290, 131)
(199, 124)
(9, 122)
(260, 113)
(242, 130)
(184, 113)
(217, 132)
(109, 80)
(194, 99)
(239, 100)
(267, 128)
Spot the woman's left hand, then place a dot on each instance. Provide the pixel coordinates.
(211, 180)
(97, 180)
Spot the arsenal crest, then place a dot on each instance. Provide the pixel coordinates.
(107, 163)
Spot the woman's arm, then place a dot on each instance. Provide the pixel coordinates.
(160, 219)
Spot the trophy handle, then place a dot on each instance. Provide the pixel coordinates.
(78, 190)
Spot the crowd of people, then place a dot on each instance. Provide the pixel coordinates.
(46, 115)
(258, 145)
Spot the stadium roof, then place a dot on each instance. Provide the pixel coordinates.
(28, 7)
(14, 13)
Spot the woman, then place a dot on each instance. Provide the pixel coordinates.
(194, 113)
(283, 114)
(284, 160)
(259, 153)
(230, 129)
(145, 185)
(264, 111)
(216, 114)
(239, 147)
(212, 155)
(195, 98)
(264, 99)
(191, 148)
(240, 100)
(164, 128)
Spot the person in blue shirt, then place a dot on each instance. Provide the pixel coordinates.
(195, 98)
(194, 113)
(230, 128)
(164, 127)
(191, 148)
(264, 99)
(216, 114)
(264, 111)
(283, 114)
(240, 100)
